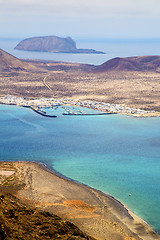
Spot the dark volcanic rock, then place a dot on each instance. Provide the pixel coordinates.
(18, 221)
(141, 63)
(52, 44)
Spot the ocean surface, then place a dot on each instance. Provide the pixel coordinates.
(112, 48)
(117, 154)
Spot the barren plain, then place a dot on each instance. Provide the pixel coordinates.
(133, 89)
(134, 82)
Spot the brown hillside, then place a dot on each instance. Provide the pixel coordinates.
(18, 221)
(144, 63)
(10, 63)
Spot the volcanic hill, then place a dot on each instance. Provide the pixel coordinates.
(141, 63)
(52, 44)
(9, 63)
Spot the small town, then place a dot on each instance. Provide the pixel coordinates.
(52, 102)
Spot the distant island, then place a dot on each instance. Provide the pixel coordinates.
(53, 44)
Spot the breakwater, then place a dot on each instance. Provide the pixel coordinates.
(42, 113)
(86, 114)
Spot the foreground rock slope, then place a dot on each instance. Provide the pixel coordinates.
(18, 221)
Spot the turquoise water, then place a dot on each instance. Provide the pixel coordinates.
(66, 109)
(117, 154)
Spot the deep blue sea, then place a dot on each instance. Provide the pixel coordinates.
(117, 154)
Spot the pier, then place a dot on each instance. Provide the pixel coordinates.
(42, 113)
(86, 114)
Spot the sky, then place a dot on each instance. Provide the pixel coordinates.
(80, 18)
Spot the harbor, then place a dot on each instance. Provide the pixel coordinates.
(54, 103)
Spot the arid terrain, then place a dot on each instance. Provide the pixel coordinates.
(111, 82)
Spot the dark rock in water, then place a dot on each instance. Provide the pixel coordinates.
(52, 44)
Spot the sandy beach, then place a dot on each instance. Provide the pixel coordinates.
(95, 213)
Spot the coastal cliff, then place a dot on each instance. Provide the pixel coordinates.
(52, 44)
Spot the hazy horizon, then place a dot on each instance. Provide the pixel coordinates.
(102, 19)
(88, 38)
